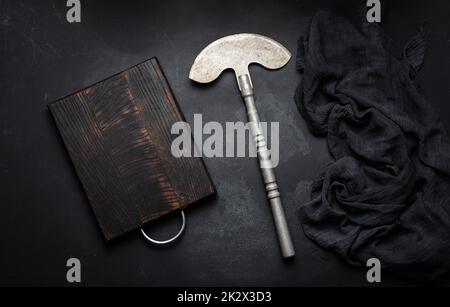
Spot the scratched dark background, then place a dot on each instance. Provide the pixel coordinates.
(230, 240)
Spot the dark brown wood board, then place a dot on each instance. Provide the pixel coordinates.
(118, 135)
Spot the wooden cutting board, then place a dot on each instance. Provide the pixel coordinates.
(117, 133)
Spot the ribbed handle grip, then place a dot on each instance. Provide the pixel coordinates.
(268, 174)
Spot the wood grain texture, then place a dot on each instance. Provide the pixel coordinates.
(117, 133)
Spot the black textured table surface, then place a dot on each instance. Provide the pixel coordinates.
(229, 241)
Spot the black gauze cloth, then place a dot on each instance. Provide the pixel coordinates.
(387, 193)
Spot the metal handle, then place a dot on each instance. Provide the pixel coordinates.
(171, 240)
(268, 174)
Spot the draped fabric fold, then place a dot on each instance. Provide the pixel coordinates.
(387, 192)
